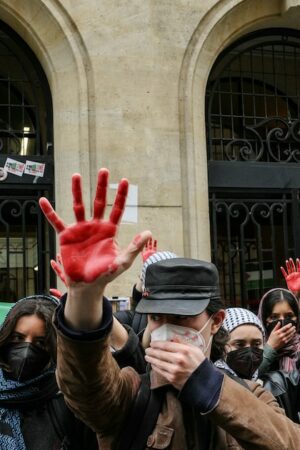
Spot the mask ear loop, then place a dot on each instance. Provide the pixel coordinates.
(208, 344)
(210, 338)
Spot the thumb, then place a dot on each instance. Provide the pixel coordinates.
(126, 258)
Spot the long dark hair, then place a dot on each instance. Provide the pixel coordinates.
(221, 338)
(40, 305)
(274, 296)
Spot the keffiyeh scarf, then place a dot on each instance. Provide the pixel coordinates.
(14, 396)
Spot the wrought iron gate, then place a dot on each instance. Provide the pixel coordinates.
(253, 143)
(22, 237)
(251, 238)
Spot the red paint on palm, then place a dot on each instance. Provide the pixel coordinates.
(88, 248)
(292, 274)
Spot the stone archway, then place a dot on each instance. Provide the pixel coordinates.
(224, 23)
(50, 32)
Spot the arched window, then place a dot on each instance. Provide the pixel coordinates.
(253, 144)
(26, 169)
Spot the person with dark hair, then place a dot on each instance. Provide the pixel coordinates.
(279, 313)
(33, 414)
(191, 404)
(245, 354)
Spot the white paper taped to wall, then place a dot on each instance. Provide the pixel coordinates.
(131, 210)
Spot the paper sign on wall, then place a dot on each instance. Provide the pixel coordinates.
(14, 167)
(131, 211)
(34, 168)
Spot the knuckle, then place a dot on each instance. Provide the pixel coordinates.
(180, 361)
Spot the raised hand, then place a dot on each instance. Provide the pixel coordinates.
(89, 251)
(149, 249)
(292, 275)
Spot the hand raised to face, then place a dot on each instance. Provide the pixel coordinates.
(88, 248)
(174, 361)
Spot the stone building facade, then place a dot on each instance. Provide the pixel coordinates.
(128, 82)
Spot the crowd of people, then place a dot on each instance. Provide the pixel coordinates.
(177, 372)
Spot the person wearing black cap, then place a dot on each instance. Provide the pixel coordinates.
(193, 405)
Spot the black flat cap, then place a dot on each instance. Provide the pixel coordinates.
(179, 286)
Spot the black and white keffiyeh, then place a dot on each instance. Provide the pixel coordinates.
(240, 316)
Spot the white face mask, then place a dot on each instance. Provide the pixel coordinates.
(169, 332)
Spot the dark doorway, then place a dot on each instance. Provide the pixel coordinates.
(253, 144)
(26, 170)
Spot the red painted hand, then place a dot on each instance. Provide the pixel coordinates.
(89, 251)
(292, 275)
(149, 249)
(56, 293)
(58, 269)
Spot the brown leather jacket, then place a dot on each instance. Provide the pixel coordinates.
(100, 394)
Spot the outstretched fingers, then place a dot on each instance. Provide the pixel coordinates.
(78, 206)
(51, 215)
(291, 265)
(148, 244)
(119, 203)
(100, 196)
(283, 272)
(58, 270)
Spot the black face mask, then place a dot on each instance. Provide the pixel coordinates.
(25, 360)
(270, 326)
(245, 361)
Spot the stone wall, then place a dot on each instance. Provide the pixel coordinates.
(128, 84)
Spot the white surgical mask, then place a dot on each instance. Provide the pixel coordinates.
(169, 332)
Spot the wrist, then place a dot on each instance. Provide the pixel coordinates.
(91, 292)
(273, 344)
(84, 307)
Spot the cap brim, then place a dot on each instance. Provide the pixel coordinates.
(175, 307)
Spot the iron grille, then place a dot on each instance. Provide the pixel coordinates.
(25, 116)
(253, 104)
(253, 146)
(251, 237)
